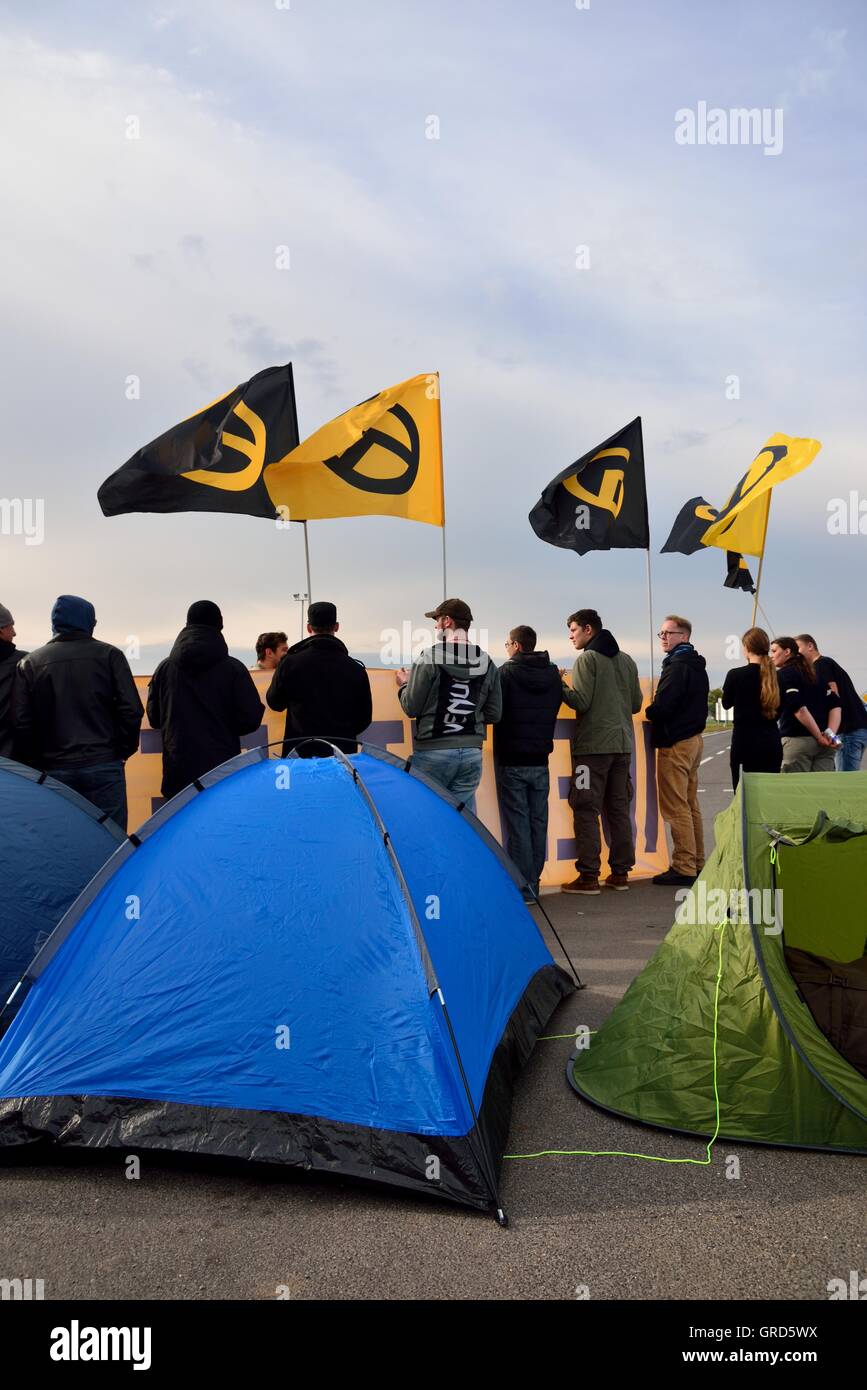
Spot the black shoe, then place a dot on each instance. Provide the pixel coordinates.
(672, 879)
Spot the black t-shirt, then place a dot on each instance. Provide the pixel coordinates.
(854, 711)
(742, 689)
(797, 690)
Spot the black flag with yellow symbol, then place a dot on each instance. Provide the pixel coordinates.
(691, 525)
(740, 526)
(216, 460)
(381, 458)
(600, 502)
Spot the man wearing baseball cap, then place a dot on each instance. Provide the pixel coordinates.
(324, 691)
(452, 692)
(9, 659)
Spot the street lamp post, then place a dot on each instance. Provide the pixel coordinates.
(302, 599)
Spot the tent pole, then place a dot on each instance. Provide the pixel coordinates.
(431, 980)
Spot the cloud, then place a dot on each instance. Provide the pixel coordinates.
(261, 345)
(411, 255)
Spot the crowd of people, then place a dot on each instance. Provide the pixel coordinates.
(72, 710)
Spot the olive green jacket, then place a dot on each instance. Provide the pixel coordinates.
(605, 693)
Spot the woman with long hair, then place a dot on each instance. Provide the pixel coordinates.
(805, 702)
(754, 691)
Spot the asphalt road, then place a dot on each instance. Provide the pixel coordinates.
(623, 1228)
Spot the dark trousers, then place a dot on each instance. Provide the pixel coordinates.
(523, 796)
(609, 790)
(103, 785)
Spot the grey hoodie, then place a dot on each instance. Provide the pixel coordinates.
(453, 691)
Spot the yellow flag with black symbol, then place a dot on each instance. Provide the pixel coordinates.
(381, 458)
(741, 524)
(215, 460)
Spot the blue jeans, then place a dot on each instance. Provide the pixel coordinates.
(523, 794)
(849, 756)
(103, 785)
(459, 770)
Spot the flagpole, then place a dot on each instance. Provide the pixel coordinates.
(762, 557)
(307, 563)
(650, 617)
(442, 481)
(298, 436)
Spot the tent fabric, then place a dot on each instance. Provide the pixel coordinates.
(54, 841)
(267, 973)
(780, 1080)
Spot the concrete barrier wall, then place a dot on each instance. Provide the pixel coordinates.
(391, 729)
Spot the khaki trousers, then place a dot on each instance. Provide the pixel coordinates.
(804, 754)
(677, 786)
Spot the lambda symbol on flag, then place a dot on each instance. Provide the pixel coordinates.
(750, 480)
(253, 449)
(345, 465)
(611, 489)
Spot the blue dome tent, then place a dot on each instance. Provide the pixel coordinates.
(323, 962)
(53, 843)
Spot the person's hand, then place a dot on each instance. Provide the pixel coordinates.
(825, 742)
(563, 674)
(401, 677)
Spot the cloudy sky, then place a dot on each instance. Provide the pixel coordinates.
(306, 125)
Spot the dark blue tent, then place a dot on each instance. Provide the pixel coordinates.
(321, 962)
(53, 842)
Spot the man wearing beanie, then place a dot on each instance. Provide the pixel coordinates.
(9, 659)
(201, 699)
(323, 689)
(77, 712)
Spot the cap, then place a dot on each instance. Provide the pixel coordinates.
(322, 614)
(453, 608)
(6, 618)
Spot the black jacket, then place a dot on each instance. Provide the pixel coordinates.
(796, 691)
(532, 695)
(679, 708)
(75, 704)
(324, 691)
(202, 700)
(9, 658)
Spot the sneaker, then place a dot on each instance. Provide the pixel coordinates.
(672, 879)
(620, 882)
(585, 883)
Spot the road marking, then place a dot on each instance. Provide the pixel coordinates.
(705, 760)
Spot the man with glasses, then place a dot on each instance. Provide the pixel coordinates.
(523, 741)
(677, 718)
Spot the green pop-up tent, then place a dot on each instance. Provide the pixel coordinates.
(758, 994)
